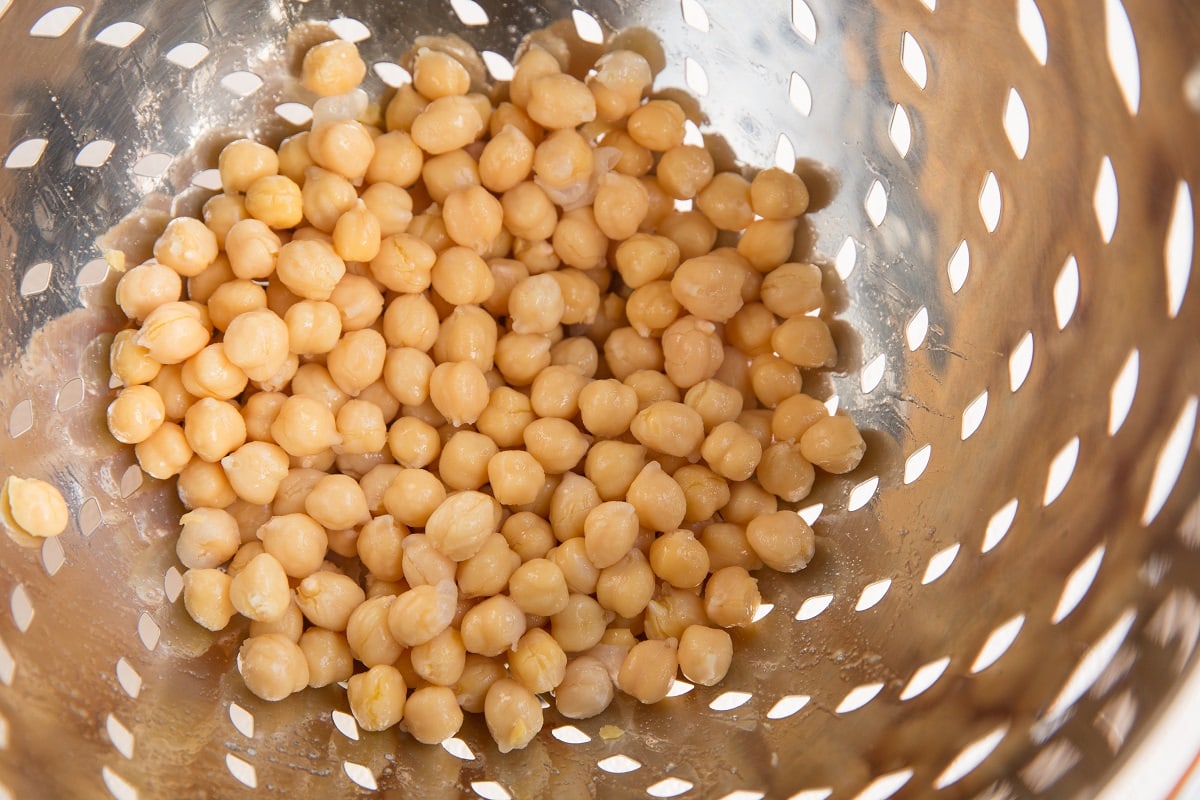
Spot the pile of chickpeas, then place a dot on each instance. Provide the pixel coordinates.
(466, 407)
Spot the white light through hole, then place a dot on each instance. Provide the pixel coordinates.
(900, 131)
(1106, 200)
(242, 720)
(55, 22)
(858, 697)
(803, 21)
(914, 465)
(846, 258)
(1122, 53)
(669, 787)
(1170, 461)
(1033, 29)
(360, 775)
(973, 415)
(1177, 252)
(727, 701)
(872, 594)
(997, 644)
(814, 606)
(587, 27)
(971, 757)
(120, 34)
(1062, 467)
(295, 113)
(395, 75)
(939, 563)
(876, 203)
(885, 786)
(785, 154)
(469, 12)
(1124, 389)
(350, 29)
(458, 748)
(119, 735)
(120, 788)
(94, 154)
(497, 65)
(187, 55)
(1016, 123)
(242, 770)
(1093, 663)
(694, 15)
(912, 58)
(799, 95)
(861, 494)
(1020, 361)
(346, 724)
(811, 514)
(569, 734)
(26, 154)
(695, 76)
(618, 764)
(958, 266)
(872, 373)
(925, 676)
(990, 202)
(1077, 584)
(788, 705)
(998, 525)
(917, 328)
(1066, 292)
(242, 83)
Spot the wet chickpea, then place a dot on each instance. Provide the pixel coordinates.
(406, 373)
(621, 78)
(432, 714)
(492, 626)
(578, 239)
(537, 662)
(293, 489)
(129, 362)
(657, 125)
(441, 660)
(528, 211)
(563, 162)
(513, 715)
(792, 290)
(487, 572)
(578, 352)
(705, 654)
(244, 161)
(669, 427)
(423, 564)
(727, 545)
(626, 586)
(328, 599)
(390, 205)
(834, 444)
(774, 379)
(468, 334)
(328, 655)
(368, 635)
(731, 597)
(709, 287)
(692, 351)
(632, 159)
(805, 342)
(506, 160)
(310, 269)
(648, 671)
(577, 569)
(206, 598)
(314, 380)
(586, 689)
(658, 499)
(560, 101)
(332, 67)
(530, 537)
(294, 159)
(652, 308)
(404, 108)
(342, 146)
(275, 200)
(135, 414)
(146, 287)
(186, 246)
(538, 257)
(620, 206)
(660, 210)
(505, 417)
(203, 483)
(521, 357)
(169, 385)
(214, 428)
(461, 277)
(220, 213)
(536, 305)
(610, 530)
(726, 201)
(735, 373)
(612, 467)
(377, 697)
(210, 373)
(706, 491)
(458, 391)
(715, 402)
(164, 453)
(233, 299)
(785, 472)
(767, 243)
(411, 321)
(580, 625)
(272, 666)
(413, 443)
(448, 173)
(446, 124)
(326, 197)
(209, 537)
(607, 407)
(533, 64)
(380, 547)
(556, 443)
(465, 458)
(304, 426)
(260, 591)
(626, 352)
(298, 543)
(380, 396)
(555, 392)
(684, 171)
(473, 217)
(375, 483)
(516, 477)
(750, 329)
(776, 194)
(357, 234)
(173, 332)
(437, 74)
(459, 526)
(279, 297)
(422, 612)
(748, 500)
(672, 611)
(539, 587)
(581, 295)
(356, 361)
(314, 327)
(572, 500)
(337, 502)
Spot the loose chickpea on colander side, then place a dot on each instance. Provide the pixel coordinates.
(464, 410)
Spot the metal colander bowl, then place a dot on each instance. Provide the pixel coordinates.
(1004, 603)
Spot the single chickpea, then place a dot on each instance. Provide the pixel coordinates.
(580, 625)
(774, 379)
(441, 660)
(492, 626)
(202, 483)
(679, 559)
(304, 426)
(555, 392)
(298, 543)
(607, 407)
(684, 171)
(257, 342)
(404, 108)
(767, 243)
(505, 417)
(785, 472)
(610, 530)
(361, 427)
(626, 352)
(521, 357)
(423, 564)
(564, 161)
(621, 78)
(446, 124)
(174, 332)
(528, 211)
(368, 635)
(242, 162)
(176, 398)
(578, 352)
(448, 173)
(632, 159)
(380, 547)
(530, 537)
(209, 537)
(459, 391)
(560, 101)
(556, 443)
(342, 146)
(792, 290)
(778, 195)
(220, 213)
(572, 500)
(506, 160)
(206, 598)
(706, 491)
(579, 241)
(581, 295)
(705, 654)
(356, 361)
(294, 159)
(135, 414)
(210, 373)
(462, 277)
(129, 362)
(652, 308)
(311, 269)
(146, 287)
(459, 526)
(612, 467)
(404, 264)
(513, 714)
(414, 443)
(749, 330)
(479, 673)
(313, 379)
(833, 444)
(660, 209)
(464, 461)
(536, 305)
(233, 299)
(727, 546)
(672, 611)
(731, 597)
(715, 402)
(328, 655)
(377, 697)
(333, 67)
(314, 327)
(487, 572)
(648, 671)
(748, 500)
(506, 273)
(390, 205)
(276, 200)
(782, 540)
(272, 666)
(627, 586)
(726, 201)
(537, 662)
(585, 690)
(538, 257)
(473, 218)
(357, 234)
(337, 502)
(669, 427)
(260, 591)
(422, 612)
(164, 453)
(709, 287)
(214, 428)
(657, 125)
(468, 334)
(692, 351)
(437, 74)
(731, 451)
(515, 476)
(539, 587)
(658, 499)
(805, 342)
(186, 246)
(326, 197)
(328, 599)
(432, 714)
(652, 387)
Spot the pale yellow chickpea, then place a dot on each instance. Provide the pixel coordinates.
(537, 662)
(446, 124)
(432, 714)
(343, 146)
(214, 428)
(459, 391)
(206, 598)
(648, 671)
(672, 611)
(679, 559)
(782, 540)
(255, 470)
(464, 460)
(513, 715)
(186, 246)
(244, 161)
(627, 586)
(294, 159)
(441, 660)
(805, 342)
(536, 305)
(747, 500)
(164, 453)
(749, 330)
(368, 635)
(244, 556)
(622, 76)
(726, 201)
(492, 626)
(328, 655)
(293, 489)
(793, 289)
(135, 414)
(626, 352)
(715, 402)
(610, 530)
(607, 407)
(297, 541)
(833, 444)
(326, 197)
(357, 234)
(731, 597)
(529, 212)
(657, 125)
(459, 526)
(612, 466)
(555, 392)
(356, 361)
(468, 334)
(785, 472)
(705, 654)
(580, 625)
(423, 564)
(709, 287)
(586, 688)
(337, 502)
(530, 537)
(414, 443)
(462, 277)
(578, 352)
(572, 501)
(259, 411)
(643, 258)
(208, 538)
(505, 417)
(506, 160)
(564, 162)
(767, 243)
(516, 477)
(314, 327)
(506, 273)
(404, 264)
(487, 572)
(692, 351)
(705, 490)
(559, 101)
(556, 443)
(390, 205)
(620, 206)
(220, 213)
(581, 294)
(684, 171)
(314, 380)
(333, 67)
(538, 257)
(260, 590)
(478, 675)
(327, 599)
(473, 218)
(632, 159)
(272, 666)
(653, 387)
(129, 362)
(202, 483)
(659, 500)
(257, 342)
(404, 107)
(377, 697)
(146, 287)
(233, 298)
(539, 587)
(406, 373)
(276, 200)
(777, 194)
(174, 332)
(449, 173)
(361, 427)
(310, 269)
(279, 297)
(437, 74)
(774, 379)
(727, 546)
(210, 373)
(521, 357)
(290, 625)
(731, 451)
(397, 160)
(669, 427)
(176, 398)
(578, 239)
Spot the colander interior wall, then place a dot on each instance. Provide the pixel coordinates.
(1004, 598)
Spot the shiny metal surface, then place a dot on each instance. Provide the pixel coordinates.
(1021, 538)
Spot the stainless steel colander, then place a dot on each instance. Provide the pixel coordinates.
(1004, 603)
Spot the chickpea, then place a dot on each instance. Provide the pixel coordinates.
(731, 597)
(186, 246)
(294, 159)
(377, 697)
(684, 171)
(462, 277)
(731, 451)
(578, 352)
(521, 357)
(581, 296)
(627, 585)
(458, 391)
(292, 491)
(564, 162)
(487, 572)
(342, 146)
(311, 269)
(715, 402)
(129, 362)
(467, 334)
(767, 243)
(537, 662)
(607, 407)
(413, 443)
(578, 239)
(652, 308)
(314, 380)
(585, 690)
(572, 560)
(337, 502)
(648, 671)
(272, 666)
(657, 125)
(206, 598)
(404, 107)
(356, 361)
(560, 101)
(314, 327)
(785, 472)
(726, 201)
(361, 428)
(164, 453)
(692, 351)
(135, 414)
(332, 68)
(209, 537)
(833, 444)
(513, 714)
(442, 660)
(792, 290)
(534, 63)
(432, 714)
(448, 173)
(660, 502)
(506, 160)
(556, 443)
(705, 654)
(505, 417)
(528, 211)
(411, 321)
(774, 379)
(423, 564)
(652, 387)
(748, 500)
(727, 545)
(706, 491)
(555, 392)
(298, 543)
(626, 352)
(368, 635)
(357, 234)
(202, 483)
(612, 467)
(465, 458)
(276, 200)
(446, 124)
(304, 426)
(750, 329)
(610, 530)
(260, 591)
(422, 612)
(210, 373)
(622, 76)
(538, 257)
(669, 427)
(473, 218)
(174, 332)
(146, 287)
(290, 625)
(778, 195)
(328, 655)
(492, 626)
(516, 477)
(461, 524)
(672, 611)
(437, 74)
(506, 273)
(390, 205)
(220, 213)
(530, 537)
(709, 287)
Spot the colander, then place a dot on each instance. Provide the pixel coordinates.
(1004, 601)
